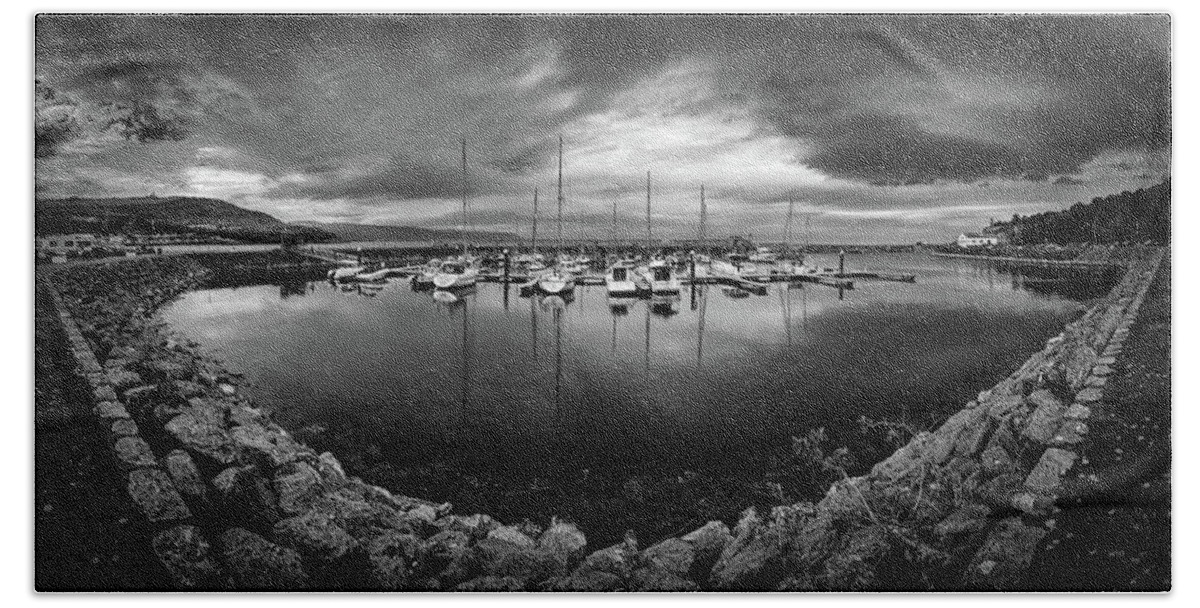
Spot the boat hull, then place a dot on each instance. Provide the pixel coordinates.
(446, 281)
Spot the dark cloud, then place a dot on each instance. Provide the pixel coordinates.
(1067, 180)
(371, 107)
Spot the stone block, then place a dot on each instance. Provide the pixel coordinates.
(153, 492)
(258, 564)
(134, 452)
(1046, 475)
(184, 474)
(186, 555)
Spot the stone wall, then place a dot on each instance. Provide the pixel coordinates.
(238, 503)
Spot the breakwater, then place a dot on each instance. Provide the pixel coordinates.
(242, 505)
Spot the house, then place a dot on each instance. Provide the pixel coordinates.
(972, 239)
(76, 244)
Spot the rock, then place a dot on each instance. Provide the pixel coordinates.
(617, 559)
(1047, 474)
(966, 520)
(658, 580)
(439, 550)
(1046, 416)
(476, 526)
(152, 491)
(261, 565)
(104, 393)
(757, 565)
(974, 437)
(315, 534)
(227, 389)
(491, 584)
(169, 370)
(121, 379)
(133, 452)
(708, 541)
(356, 515)
(273, 446)
(531, 566)
(184, 474)
(673, 555)
(110, 410)
(1088, 395)
(853, 567)
(1096, 381)
(512, 535)
(330, 469)
(422, 513)
(1102, 370)
(1070, 432)
(201, 432)
(564, 542)
(941, 443)
(243, 488)
(391, 555)
(123, 427)
(185, 554)
(591, 581)
(297, 484)
(1078, 411)
(1004, 557)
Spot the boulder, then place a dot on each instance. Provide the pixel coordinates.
(297, 484)
(201, 431)
(133, 452)
(1046, 416)
(964, 521)
(440, 550)
(591, 581)
(1047, 474)
(356, 515)
(708, 541)
(564, 542)
(1004, 557)
(110, 410)
(104, 393)
(853, 567)
(123, 427)
(184, 473)
(652, 578)
(673, 555)
(512, 535)
(185, 554)
(152, 491)
(270, 445)
(243, 487)
(330, 469)
(391, 555)
(121, 379)
(316, 535)
(258, 564)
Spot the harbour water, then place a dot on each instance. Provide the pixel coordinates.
(487, 399)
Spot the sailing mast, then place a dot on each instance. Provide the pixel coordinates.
(614, 230)
(649, 232)
(463, 231)
(787, 246)
(535, 192)
(560, 195)
(703, 219)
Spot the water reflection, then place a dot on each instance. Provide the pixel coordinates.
(721, 382)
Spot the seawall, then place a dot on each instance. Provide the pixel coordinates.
(237, 503)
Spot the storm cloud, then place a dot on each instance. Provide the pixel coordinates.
(853, 114)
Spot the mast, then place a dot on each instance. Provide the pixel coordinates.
(535, 192)
(703, 218)
(649, 232)
(463, 231)
(787, 246)
(614, 230)
(560, 195)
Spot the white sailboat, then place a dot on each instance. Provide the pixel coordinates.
(463, 271)
(620, 280)
(558, 280)
(662, 277)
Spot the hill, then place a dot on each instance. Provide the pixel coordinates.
(1142, 215)
(173, 214)
(377, 232)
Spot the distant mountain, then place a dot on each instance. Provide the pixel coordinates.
(1141, 215)
(377, 232)
(172, 214)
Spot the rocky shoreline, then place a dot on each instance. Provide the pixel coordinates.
(236, 503)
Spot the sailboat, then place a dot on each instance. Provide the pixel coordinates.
(558, 280)
(659, 273)
(620, 280)
(461, 272)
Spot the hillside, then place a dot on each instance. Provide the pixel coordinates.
(1142, 215)
(376, 232)
(177, 214)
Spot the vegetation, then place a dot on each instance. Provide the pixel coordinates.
(1139, 216)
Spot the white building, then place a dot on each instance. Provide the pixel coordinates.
(66, 244)
(977, 240)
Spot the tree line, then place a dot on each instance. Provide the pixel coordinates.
(1138, 216)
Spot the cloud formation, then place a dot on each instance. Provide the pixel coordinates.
(332, 117)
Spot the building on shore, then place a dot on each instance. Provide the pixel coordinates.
(972, 239)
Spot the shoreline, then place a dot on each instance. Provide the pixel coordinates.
(320, 516)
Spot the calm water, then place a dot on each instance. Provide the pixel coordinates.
(507, 388)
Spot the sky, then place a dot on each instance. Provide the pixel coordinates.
(877, 128)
